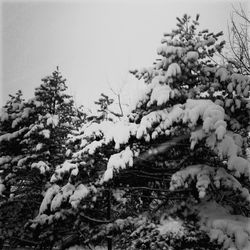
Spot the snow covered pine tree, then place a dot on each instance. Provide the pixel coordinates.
(32, 142)
(176, 165)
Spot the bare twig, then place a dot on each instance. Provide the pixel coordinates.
(239, 39)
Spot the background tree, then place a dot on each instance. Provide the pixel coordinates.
(33, 142)
(239, 40)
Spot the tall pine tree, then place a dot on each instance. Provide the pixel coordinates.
(173, 173)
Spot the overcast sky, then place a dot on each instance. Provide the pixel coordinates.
(94, 43)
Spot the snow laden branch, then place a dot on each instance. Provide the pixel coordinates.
(232, 231)
(203, 117)
(206, 176)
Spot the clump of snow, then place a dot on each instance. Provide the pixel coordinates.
(225, 144)
(204, 94)
(246, 91)
(76, 247)
(32, 129)
(227, 148)
(239, 165)
(222, 73)
(163, 118)
(21, 161)
(149, 120)
(52, 120)
(43, 219)
(120, 132)
(220, 132)
(42, 166)
(210, 41)
(90, 148)
(173, 70)
(26, 112)
(170, 225)
(212, 116)
(37, 103)
(196, 136)
(15, 106)
(214, 112)
(65, 192)
(166, 50)
(192, 56)
(5, 159)
(16, 122)
(248, 154)
(68, 152)
(117, 161)
(80, 193)
(194, 109)
(95, 129)
(160, 94)
(66, 167)
(231, 230)
(2, 186)
(39, 146)
(204, 175)
(4, 116)
(51, 192)
(67, 100)
(45, 133)
(223, 179)
(200, 173)
(230, 87)
(118, 195)
(244, 80)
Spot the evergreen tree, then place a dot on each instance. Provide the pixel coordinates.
(33, 140)
(62, 225)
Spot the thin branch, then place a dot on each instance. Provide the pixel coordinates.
(119, 101)
(94, 220)
(160, 190)
(242, 45)
(28, 241)
(236, 56)
(242, 14)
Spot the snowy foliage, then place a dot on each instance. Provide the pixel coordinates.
(80, 193)
(61, 170)
(171, 225)
(231, 230)
(206, 176)
(182, 151)
(51, 192)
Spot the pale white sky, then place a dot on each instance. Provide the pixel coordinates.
(93, 42)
